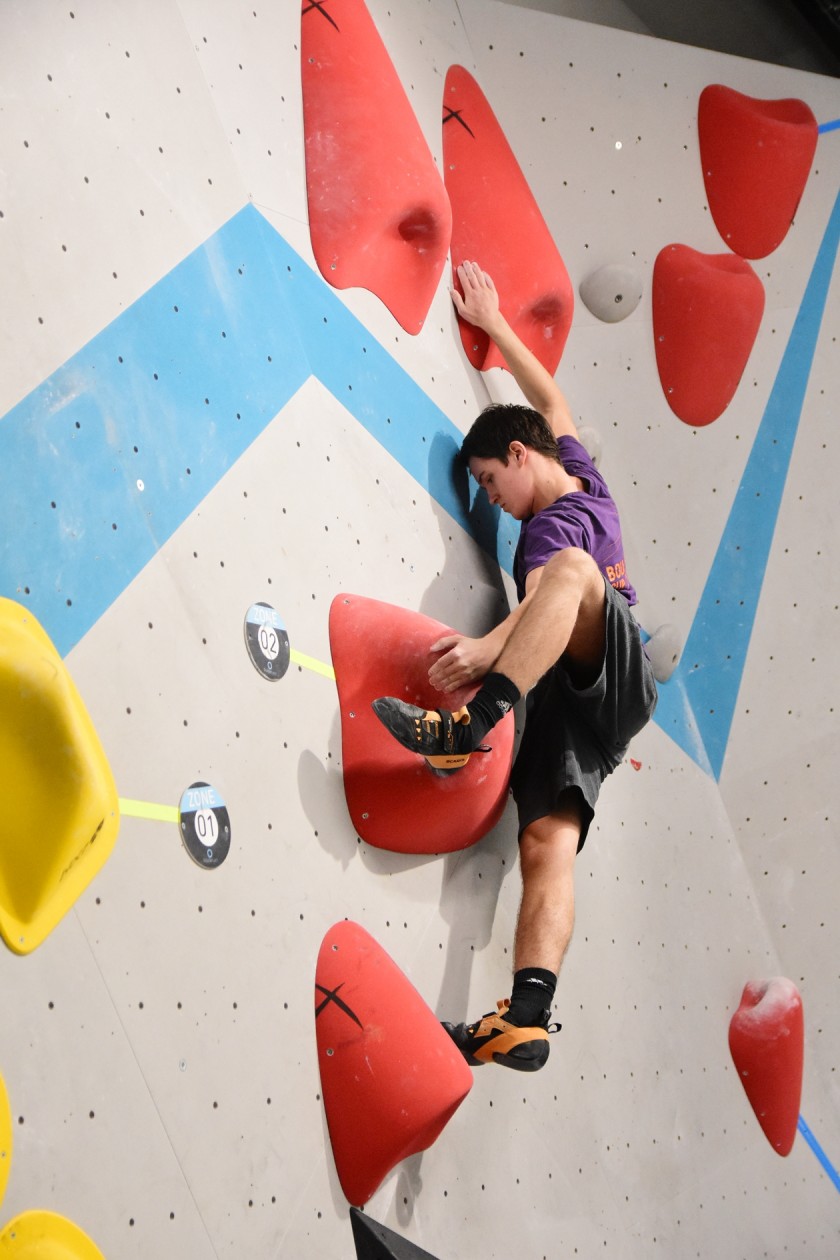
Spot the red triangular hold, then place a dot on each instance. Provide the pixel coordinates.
(377, 1242)
(395, 800)
(756, 157)
(497, 223)
(766, 1041)
(391, 1077)
(707, 309)
(379, 216)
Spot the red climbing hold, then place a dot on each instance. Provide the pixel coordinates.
(766, 1041)
(756, 158)
(390, 1076)
(395, 800)
(379, 216)
(707, 309)
(496, 222)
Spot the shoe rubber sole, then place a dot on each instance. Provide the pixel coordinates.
(509, 1047)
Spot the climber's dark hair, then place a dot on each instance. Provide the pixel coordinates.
(502, 423)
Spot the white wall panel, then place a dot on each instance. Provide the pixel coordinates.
(159, 1052)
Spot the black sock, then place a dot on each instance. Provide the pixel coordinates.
(533, 993)
(497, 695)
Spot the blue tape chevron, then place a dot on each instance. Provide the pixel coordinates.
(109, 455)
(104, 460)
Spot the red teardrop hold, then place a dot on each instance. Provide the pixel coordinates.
(497, 223)
(707, 309)
(377, 1242)
(391, 1078)
(756, 158)
(379, 216)
(767, 1042)
(395, 800)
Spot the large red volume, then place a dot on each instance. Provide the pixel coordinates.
(395, 800)
(767, 1042)
(390, 1076)
(497, 223)
(707, 309)
(379, 215)
(756, 158)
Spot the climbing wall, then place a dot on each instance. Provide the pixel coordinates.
(197, 421)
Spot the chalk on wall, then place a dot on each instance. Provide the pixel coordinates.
(496, 222)
(379, 217)
(707, 309)
(756, 157)
(387, 1095)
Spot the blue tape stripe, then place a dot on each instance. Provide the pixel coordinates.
(829, 126)
(828, 1167)
(697, 705)
(103, 462)
(111, 453)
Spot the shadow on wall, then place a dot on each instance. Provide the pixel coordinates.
(321, 793)
(472, 883)
(488, 603)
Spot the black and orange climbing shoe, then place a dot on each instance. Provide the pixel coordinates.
(443, 738)
(495, 1039)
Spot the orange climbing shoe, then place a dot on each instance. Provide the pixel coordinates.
(441, 737)
(494, 1038)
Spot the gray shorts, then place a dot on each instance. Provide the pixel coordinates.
(574, 737)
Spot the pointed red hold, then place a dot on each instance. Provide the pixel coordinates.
(497, 223)
(395, 800)
(756, 158)
(379, 216)
(390, 1076)
(707, 309)
(767, 1041)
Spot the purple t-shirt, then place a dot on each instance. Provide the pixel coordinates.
(585, 518)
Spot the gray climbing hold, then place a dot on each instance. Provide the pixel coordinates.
(591, 440)
(664, 648)
(612, 292)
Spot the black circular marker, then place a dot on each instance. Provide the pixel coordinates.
(205, 825)
(267, 641)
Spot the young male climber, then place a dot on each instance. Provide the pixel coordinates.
(571, 644)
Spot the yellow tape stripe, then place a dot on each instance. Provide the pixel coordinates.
(146, 809)
(309, 662)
